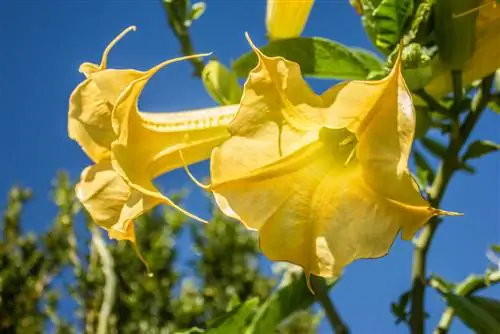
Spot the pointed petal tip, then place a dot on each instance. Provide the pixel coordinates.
(438, 212)
(191, 176)
(252, 45)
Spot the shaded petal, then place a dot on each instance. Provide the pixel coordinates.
(485, 59)
(90, 108)
(110, 201)
(321, 216)
(353, 103)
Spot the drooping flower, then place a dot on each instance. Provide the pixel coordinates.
(323, 178)
(103, 116)
(486, 57)
(286, 19)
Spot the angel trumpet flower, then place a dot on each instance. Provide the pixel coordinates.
(323, 178)
(486, 57)
(103, 118)
(285, 18)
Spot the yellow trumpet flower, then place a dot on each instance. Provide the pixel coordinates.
(103, 118)
(323, 178)
(486, 57)
(287, 18)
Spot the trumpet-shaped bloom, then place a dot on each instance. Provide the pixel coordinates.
(485, 59)
(286, 19)
(323, 178)
(103, 118)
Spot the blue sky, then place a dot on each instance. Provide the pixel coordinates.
(44, 43)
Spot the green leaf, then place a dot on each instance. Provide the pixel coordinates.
(399, 309)
(221, 83)
(281, 304)
(495, 248)
(479, 148)
(434, 147)
(389, 19)
(235, 321)
(473, 314)
(318, 57)
(488, 304)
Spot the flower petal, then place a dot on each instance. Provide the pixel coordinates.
(149, 145)
(110, 201)
(90, 108)
(294, 176)
(91, 104)
(321, 216)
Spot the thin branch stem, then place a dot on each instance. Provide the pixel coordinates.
(181, 32)
(110, 285)
(468, 287)
(321, 289)
(448, 166)
(434, 104)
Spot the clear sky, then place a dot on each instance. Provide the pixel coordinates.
(43, 44)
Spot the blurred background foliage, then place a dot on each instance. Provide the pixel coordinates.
(111, 287)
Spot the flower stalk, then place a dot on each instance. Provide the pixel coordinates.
(446, 170)
(321, 290)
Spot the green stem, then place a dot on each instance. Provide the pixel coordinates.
(181, 32)
(448, 166)
(433, 104)
(109, 291)
(321, 290)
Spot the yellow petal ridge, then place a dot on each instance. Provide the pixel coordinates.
(148, 145)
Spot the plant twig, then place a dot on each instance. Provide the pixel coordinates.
(448, 166)
(469, 286)
(110, 285)
(321, 289)
(433, 104)
(181, 32)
